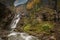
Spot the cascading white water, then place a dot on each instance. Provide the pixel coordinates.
(17, 35)
(15, 21)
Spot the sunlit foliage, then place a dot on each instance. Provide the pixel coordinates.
(44, 27)
(38, 19)
(31, 4)
(35, 22)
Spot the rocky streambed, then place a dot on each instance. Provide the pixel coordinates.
(28, 20)
(9, 22)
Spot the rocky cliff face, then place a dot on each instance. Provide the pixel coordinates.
(6, 16)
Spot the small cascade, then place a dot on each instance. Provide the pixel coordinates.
(18, 35)
(15, 21)
(21, 36)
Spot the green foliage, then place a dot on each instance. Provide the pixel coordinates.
(39, 27)
(47, 27)
(27, 27)
(34, 22)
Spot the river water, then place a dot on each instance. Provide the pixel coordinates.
(18, 35)
(20, 2)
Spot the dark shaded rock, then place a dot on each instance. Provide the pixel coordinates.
(6, 17)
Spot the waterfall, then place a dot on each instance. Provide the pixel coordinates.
(15, 21)
(17, 35)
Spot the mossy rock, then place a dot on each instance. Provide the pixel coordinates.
(44, 27)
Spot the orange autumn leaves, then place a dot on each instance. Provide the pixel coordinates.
(31, 4)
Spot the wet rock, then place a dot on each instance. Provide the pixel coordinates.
(20, 36)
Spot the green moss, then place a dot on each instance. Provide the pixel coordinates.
(33, 24)
(38, 28)
(47, 27)
(27, 27)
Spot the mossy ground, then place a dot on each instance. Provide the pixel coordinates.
(44, 27)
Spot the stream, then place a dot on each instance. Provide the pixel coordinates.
(17, 35)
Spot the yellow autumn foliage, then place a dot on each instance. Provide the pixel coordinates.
(31, 4)
(36, 1)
